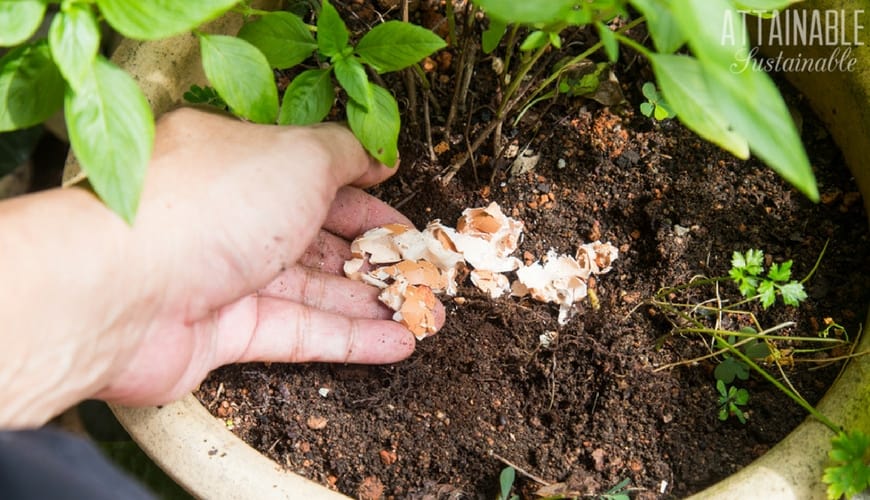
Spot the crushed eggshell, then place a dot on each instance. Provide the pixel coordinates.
(414, 265)
(495, 284)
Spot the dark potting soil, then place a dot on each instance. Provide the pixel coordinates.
(587, 410)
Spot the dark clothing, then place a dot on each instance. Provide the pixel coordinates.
(52, 464)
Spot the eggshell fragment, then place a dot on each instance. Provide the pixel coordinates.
(495, 284)
(422, 263)
(414, 306)
(561, 280)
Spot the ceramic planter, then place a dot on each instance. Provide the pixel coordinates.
(198, 451)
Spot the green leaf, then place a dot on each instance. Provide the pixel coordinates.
(729, 369)
(241, 75)
(682, 83)
(741, 396)
(534, 40)
(763, 5)
(757, 350)
(747, 99)
(849, 473)
(19, 20)
(780, 272)
(661, 112)
(753, 105)
(332, 34)
(111, 130)
(353, 79)
(308, 99)
(666, 33)
(378, 127)
(611, 45)
(31, 87)
(650, 92)
(492, 35)
(160, 18)
(506, 481)
(647, 109)
(74, 39)
(754, 261)
(394, 45)
(282, 37)
(767, 293)
(793, 293)
(527, 12)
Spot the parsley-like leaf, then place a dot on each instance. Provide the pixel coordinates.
(780, 272)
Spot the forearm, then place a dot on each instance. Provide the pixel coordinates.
(59, 322)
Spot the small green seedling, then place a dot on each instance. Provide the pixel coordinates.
(506, 484)
(204, 95)
(617, 492)
(747, 271)
(655, 105)
(849, 472)
(730, 401)
(730, 367)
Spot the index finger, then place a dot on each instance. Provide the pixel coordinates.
(354, 212)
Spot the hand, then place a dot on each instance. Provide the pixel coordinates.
(240, 241)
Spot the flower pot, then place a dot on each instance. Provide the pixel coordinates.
(201, 454)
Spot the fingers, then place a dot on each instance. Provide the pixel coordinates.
(352, 164)
(354, 212)
(328, 293)
(334, 294)
(286, 331)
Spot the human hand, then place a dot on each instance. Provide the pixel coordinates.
(240, 241)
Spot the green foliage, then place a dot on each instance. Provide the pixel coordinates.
(730, 401)
(204, 95)
(372, 111)
(655, 105)
(715, 91)
(618, 491)
(282, 37)
(31, 86)
(747, 272)
(157, 19)
(19, 19)
(849, 470)
(506, 484)
(225, 59)
(731, 367)
(111, 129)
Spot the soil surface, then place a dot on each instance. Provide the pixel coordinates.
(587, 410)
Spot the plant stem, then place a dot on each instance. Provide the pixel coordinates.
(818, 260)
(788, 392)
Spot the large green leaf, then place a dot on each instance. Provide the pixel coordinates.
(394, 45)
(74, 38)
(378, 127)
(666, 33)
(283, 37)
(241, 75)
(752, 104)
(528, 11)
(352, 76)
(714, 29)
(19, 20)
(493, 35)
(152, 19)
(31, 87)
(332, 34)
(111, 130)
(684, 87)
(308, 98)
(747, 99)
